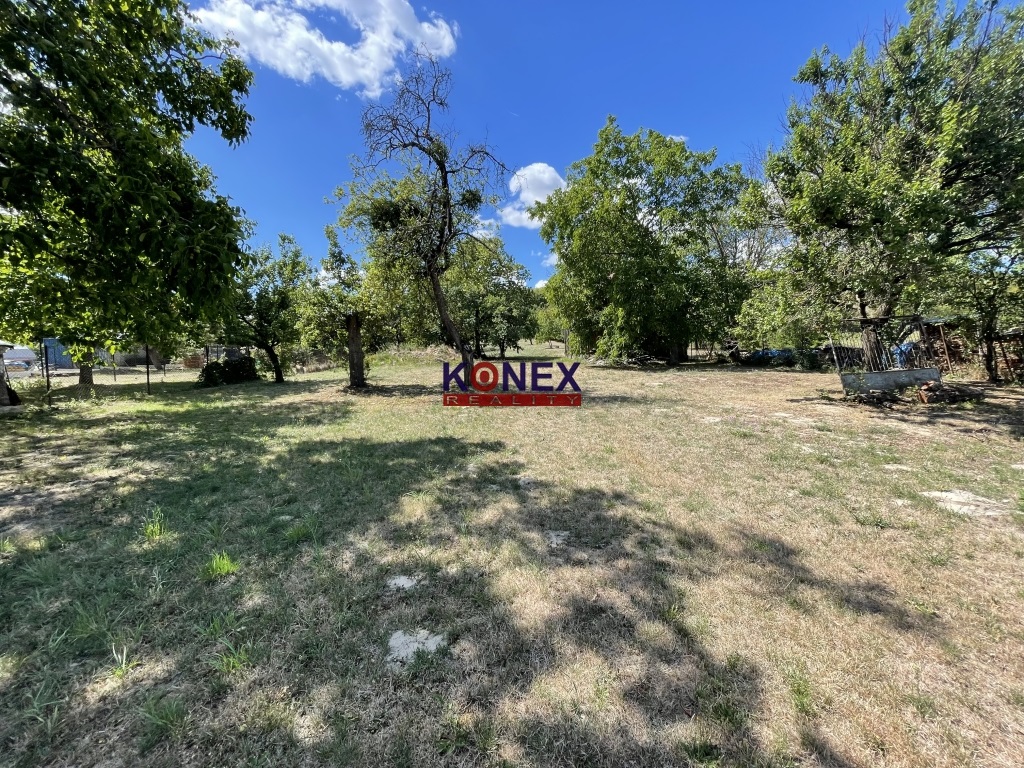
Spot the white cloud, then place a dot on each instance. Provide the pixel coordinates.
(280, 35)
(529, 185)
(541, 283)
(550, 260)
(678, 137)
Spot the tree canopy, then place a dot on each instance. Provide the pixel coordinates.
(904, 156)
(639, 267)
(106, 224)
(263, 310)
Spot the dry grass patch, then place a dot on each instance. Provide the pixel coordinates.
(701, 566)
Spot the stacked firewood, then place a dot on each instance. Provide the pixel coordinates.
(882, 398)
(937, 392)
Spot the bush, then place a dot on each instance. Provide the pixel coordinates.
(808, 359)
(219, 372)
(775, 358)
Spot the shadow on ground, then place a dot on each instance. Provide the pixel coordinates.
(582, 651)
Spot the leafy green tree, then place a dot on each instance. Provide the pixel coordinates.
(988, 286)
(774, 314)
(264, 309)
(417, 220)
(488, 293)
(107, 227)
(399, 304)
(331, 310)
(637, 265)
(512, 312)
(551, 326)
(905, 157)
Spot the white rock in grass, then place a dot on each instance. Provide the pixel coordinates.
(782, 415)
(897, 468)
(556, 539)
(1017, 466)
(403, 582)
(966, 503)
(711, 419)
(402, 646)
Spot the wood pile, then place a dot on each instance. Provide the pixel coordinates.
(880, 398)
(937, 392)
(932, 392)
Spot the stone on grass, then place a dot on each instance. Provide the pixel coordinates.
(403, 582)
(1017, 466)
(897, 468)
(556, 539)
(403, 646)
(967, 503)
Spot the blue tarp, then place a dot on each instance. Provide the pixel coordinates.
(903, 355)
(57, 354)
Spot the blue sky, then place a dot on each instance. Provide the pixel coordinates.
(535, 79)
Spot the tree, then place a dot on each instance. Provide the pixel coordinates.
(989, 286)
(513, 317)
(104, 219)
(637, 264)
(417, 221)
(263, 312)
(551, 326)
(488, 295)
(905, 157)
(330, 310)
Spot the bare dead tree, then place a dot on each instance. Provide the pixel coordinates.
(424, 221)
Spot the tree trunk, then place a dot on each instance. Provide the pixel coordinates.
(275, 361)
(477, 349)
(356, 363)
(988, 338)
(465, 350)
(85, 375)
(501, 349)
(871, 343)
(679, 352)
(870, 340)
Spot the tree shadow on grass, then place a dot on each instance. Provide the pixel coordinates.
(572, 637)
(1001, 411)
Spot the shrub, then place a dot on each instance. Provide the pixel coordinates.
(808, 359)
(219, 372)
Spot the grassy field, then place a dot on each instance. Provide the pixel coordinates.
(701, 566)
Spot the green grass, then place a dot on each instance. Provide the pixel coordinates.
(164, 717)
(205, 573)
(219, 565)
(155, 525)
(800, 690)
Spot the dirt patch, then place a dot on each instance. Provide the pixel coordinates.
(403, 646)
(967, 503)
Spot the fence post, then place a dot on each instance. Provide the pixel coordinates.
(148, 392)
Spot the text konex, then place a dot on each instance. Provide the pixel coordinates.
(515, 384)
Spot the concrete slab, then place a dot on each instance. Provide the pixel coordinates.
(887, 381)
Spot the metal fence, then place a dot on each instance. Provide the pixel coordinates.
(882, 344)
